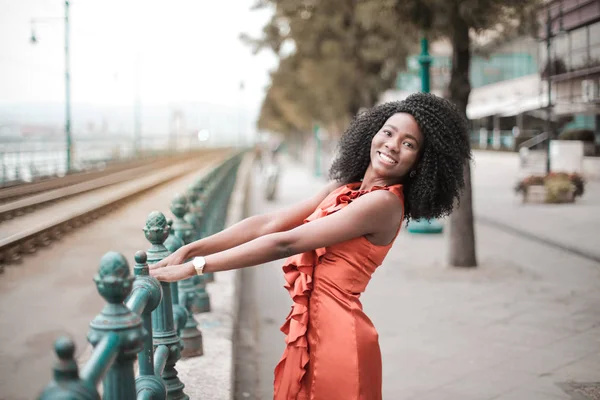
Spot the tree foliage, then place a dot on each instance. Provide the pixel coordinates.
(336, 57)
(460, 21)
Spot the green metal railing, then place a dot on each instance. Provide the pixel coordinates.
(144, 318)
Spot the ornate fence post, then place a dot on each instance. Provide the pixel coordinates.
(164, 333)
(187, 325)
(180, 314)
(147, 384)
(194, 288)
(66, 383)
(114, 283)
(225, 195)
(194, 214)
(208, 217)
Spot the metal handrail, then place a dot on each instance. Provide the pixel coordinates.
(139, 316)
(529, 143)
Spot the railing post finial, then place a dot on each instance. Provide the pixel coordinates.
(114, 282)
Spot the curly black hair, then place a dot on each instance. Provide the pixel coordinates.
(439, 178)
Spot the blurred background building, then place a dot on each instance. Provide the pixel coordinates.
(509, 96)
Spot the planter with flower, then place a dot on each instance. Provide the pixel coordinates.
(553, 188)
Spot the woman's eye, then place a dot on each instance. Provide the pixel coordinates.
(409, 144)
(387, 133)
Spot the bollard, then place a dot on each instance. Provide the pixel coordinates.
(194, 215)
(209, 217)
(145, 296)
(194, 288)
(180, 314)
(164, 333)
(114, 283)
(66, 383)
(187, 326)
(226, 196)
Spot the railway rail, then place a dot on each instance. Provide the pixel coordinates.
(16, 192)
(35, 221)
(39, 196)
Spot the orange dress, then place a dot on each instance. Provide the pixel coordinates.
(332, 350)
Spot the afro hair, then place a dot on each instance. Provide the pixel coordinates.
(439, 178)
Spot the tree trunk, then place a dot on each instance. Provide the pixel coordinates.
(462, 231)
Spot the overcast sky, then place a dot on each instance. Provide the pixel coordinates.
(189, 51)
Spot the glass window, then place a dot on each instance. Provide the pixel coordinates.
(595, 33)
(542, 56)
(560, 51)
(594, 60)
(579, 59)
(579, 39)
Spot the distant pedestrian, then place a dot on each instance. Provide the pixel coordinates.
(397, 161)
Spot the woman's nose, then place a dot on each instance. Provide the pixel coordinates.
(393, 145)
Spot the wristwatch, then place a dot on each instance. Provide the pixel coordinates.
(199, 263)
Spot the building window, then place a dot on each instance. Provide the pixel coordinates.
(594, 31)
(579, 48)
(560, 50)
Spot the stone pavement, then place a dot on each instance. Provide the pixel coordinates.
(575, 226)
(524, 321)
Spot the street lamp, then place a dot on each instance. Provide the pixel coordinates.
(549, 72)
(423, 225)
(240, 128)
(34, 40)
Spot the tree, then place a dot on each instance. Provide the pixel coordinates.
(458, 20)
(343, 55)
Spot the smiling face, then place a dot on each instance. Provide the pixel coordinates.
(395, 148)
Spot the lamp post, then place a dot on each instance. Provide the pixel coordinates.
(548, 87)
(425, 61)
(240, 134)
(420, 225)
(549, 73)
(137, 125)
(69, 143)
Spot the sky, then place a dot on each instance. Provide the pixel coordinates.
(182, 52)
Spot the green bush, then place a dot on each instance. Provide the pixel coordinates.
(585, 135)
(558, 188)
(556, 183)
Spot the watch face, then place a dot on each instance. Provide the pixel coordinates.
(199, 263)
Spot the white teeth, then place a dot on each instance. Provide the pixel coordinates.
(387, 159)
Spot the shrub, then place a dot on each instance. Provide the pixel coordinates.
(556, 183)
(558, 188)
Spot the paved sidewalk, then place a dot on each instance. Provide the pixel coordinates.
(514, 328)
(575, 226)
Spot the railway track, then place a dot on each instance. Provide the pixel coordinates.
(16, 192)
(35, 221)
(34, 197)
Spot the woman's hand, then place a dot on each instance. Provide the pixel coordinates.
(177, 258)
(174, 273)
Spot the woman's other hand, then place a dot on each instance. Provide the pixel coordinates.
(174, 273)
(177, 258)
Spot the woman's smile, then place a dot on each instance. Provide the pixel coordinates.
(386, 158)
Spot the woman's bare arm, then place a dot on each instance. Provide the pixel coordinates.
(258, 225)
(375, 213)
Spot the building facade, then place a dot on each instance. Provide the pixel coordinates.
(514, 84)
(569, 34)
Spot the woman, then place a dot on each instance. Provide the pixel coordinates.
(397, 161)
